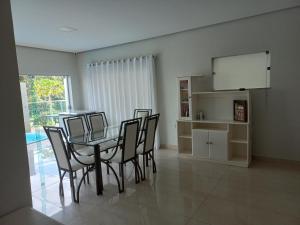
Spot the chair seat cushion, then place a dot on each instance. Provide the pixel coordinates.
(85, 151)
(117, 157)
(108, 144)
(83, 159)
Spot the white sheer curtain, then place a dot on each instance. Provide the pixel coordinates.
(117, 87)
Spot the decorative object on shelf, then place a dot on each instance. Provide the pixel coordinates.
(185, 110)
(240, 110)
(184, 96)
(184, 84)
(200, 115)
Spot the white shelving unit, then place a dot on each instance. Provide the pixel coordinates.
(217, 137)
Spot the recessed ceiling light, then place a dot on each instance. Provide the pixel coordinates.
(67, 29)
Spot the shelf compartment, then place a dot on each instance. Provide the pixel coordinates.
(217, 105)
(184, 128)
(238, 141)
(185, 136)
(220, 121)
(210, 126)
(185, 145)
(238, 152)
(238, 132)
(216, 93)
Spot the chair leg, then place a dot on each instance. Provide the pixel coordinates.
(136, 172)
(147, 163)
(153, 162)
(122, 175)
(139, 168)
(88, 175)
(61, 177)
(114, 172)
(80, 182)
(72, 186)
(107, 168)
(83, 176)
(144, 167)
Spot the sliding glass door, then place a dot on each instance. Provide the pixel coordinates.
(43, 98)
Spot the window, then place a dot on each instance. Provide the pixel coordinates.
(43, 98)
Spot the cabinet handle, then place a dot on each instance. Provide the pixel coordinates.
(207, 143)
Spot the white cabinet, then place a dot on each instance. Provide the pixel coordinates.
(218, 142)
(217, 136)
(200, 143)
(210, 144)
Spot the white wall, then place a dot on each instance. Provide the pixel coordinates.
(14, 172)
(276, 112)
(35, 61)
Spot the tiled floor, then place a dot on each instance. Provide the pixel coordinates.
(183, 192)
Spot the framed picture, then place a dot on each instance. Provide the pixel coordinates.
(240, 110)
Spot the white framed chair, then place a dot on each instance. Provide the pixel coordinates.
(125, 152)
(142, 113)
(76, 126)
(67, 163)
(146, 147)
(97, 123)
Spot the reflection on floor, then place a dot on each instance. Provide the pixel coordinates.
(184, 191)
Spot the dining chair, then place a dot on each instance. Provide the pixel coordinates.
(142, 113)
(76, 126)
(97, 123)
(125, 152)
(146, 147)
(67, 163)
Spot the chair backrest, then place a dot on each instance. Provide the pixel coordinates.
(55, 136)
(142, 113)
(75, 125)
(96, 121)
(130, 128)
(150, 129)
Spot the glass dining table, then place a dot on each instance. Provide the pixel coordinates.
(95, 139)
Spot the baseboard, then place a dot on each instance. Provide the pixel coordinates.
(276, 160)
(164, 146)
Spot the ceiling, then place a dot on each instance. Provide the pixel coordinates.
(103, 23)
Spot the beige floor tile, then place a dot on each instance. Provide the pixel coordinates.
(218, 211)
(184, 192)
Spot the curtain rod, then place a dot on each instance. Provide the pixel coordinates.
(119, 60)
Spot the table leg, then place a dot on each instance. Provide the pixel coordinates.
(98, 169)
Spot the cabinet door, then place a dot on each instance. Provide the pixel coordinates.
(218, 145)
(184, 98)
(200, 145)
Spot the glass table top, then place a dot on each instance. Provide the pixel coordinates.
(95, 138)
